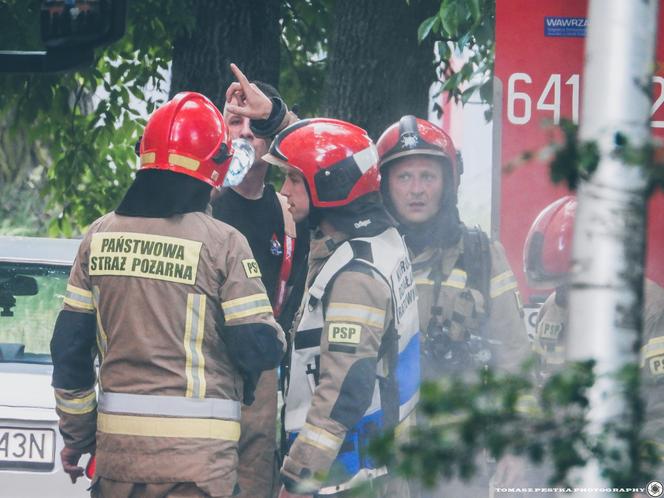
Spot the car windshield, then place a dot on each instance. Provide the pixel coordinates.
(30, 299)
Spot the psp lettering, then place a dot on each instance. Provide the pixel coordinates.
(344, 332)
(251, 268)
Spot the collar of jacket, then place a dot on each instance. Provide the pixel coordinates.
(322, 246)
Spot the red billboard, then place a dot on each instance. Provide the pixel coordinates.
(539, 62)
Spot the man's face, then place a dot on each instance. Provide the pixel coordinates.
(238, 126)
(416, 188)
(296, 192)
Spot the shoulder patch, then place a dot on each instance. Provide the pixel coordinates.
(251, 268)
(344, 333)
(657, 365)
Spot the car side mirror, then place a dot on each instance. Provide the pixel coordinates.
(70, 31)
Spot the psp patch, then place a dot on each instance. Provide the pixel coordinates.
(251, 268)
(657, 365)
(344, 333)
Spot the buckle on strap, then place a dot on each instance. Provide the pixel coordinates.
(170, 406)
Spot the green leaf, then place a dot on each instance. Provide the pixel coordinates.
(448, 17)
(425, 28)
(474, 7)
(468, 93)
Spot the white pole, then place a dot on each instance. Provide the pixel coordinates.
(608, 256)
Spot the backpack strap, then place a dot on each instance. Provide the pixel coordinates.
(477, 262)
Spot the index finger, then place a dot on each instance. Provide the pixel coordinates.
(239, 75)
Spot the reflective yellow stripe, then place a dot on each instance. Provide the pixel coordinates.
(81, 292)
(193, 346)
(654, 347)
(78, 298)
(130, 425)
(320, 438)
(148, 158)
(78, 304)
(77, 406)
(358, 313)
(102, 338)
(502, 283)
(456, 280)
(184, 161)
(246, 306)
(229, 305)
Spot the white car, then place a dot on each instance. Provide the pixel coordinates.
(33, 279)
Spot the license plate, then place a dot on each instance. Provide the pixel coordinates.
(27, 448)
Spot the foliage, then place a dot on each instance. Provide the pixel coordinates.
(575, 160)
(89, 120)
(305, 28)
(457, 26)
(459, 419)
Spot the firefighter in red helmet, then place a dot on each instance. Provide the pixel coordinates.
(547, 256)
(182, 329)
(469, 308)
(361, 296)
(547, 259)
(470, 312)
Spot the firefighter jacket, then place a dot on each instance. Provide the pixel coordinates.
(474, 321)
(549, 336)
(355, 361)
(183, 327)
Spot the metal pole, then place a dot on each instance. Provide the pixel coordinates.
(608, 256)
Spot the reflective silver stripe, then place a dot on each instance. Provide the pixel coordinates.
(246, 306)
(363, 475)
(502, 283)
(170, 406)
(368, 315)
(78, 298)
(320, 438)
(457, 279)
(77, 406)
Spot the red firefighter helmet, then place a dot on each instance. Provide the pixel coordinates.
(337, 159)
(547, 253)
(415, 136)
(188, 135)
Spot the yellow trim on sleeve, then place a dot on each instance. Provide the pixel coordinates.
(249, 312)
(77, 406)
(243, 300)
(81, 292)
(246, 306)
(357, 313)
(502, 283)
